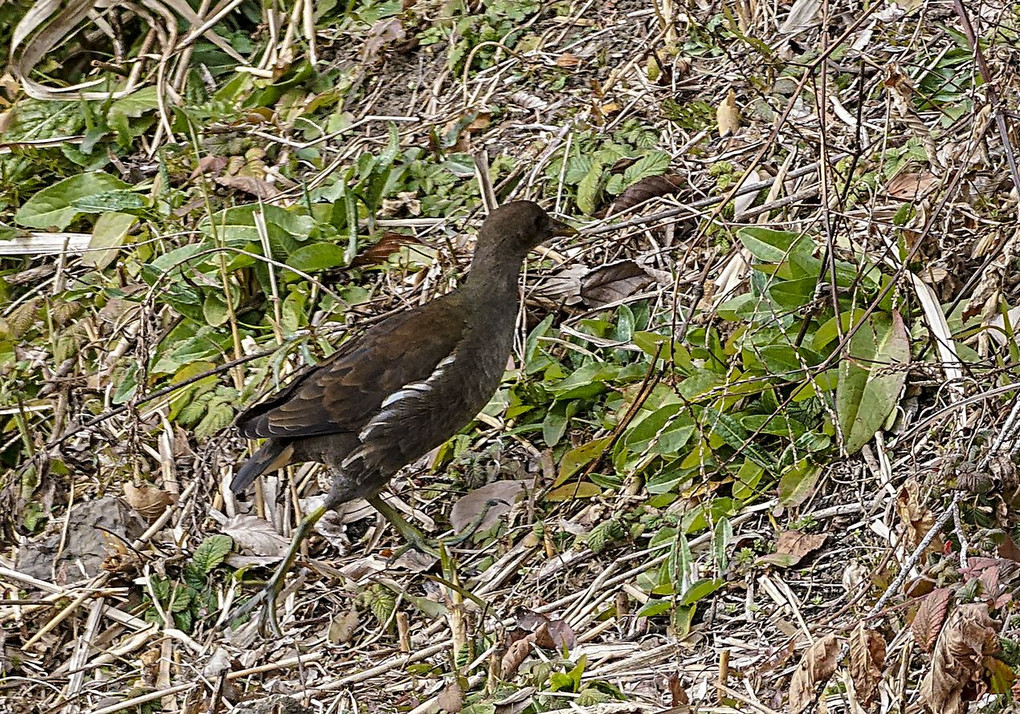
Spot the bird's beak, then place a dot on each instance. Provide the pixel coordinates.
(559, 228)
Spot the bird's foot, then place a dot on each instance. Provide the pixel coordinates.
(268, 622)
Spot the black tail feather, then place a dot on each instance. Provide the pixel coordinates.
(272, 455)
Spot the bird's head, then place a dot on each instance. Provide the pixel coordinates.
(519, 226)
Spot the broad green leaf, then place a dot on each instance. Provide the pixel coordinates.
(699, 590)
(53, 207)
(791, 294)
(580, 456)
(125, 200)
(798, 482)
(554, 425)
(314, 257)
(570, 491)
(107, 236)
(767, 245)
(871, 376)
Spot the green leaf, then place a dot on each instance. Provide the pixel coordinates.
(53, 207)
(871, 376)
(125, 200)
(580, 456)
(699, 590)
(211, 552)
(108, 235)
(317, 256)
(654, 163)
(798, 482)
(554, 425)
(590, 188)
(767, 245)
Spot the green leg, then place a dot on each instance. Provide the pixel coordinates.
(408, 532)
(275, 584)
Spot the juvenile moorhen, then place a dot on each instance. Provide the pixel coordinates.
(403, 388)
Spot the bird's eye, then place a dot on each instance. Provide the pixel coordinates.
(540, 222)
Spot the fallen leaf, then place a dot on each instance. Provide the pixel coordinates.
(515, 655)
(867, 659)
(451, 699)
(957, 674)
(816, 666)
(568, 61)
(342, 627)
(248, 184)
(555, 635)
(910, 185)
(487, 503)
(917, 519)
(150, 502)
(727, 115)
(802, 15)
(255, 535)
(382, 33)
(647, 188)
(792, 546)
(613, 282)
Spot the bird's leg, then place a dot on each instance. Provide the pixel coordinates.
(275, 584)
(408, 532)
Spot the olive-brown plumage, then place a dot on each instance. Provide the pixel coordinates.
(407, 384)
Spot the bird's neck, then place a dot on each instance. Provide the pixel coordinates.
(493, 276)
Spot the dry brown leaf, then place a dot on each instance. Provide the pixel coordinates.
(677, 693)
(792, 546)
(645, 189)
(150, 502)
(555, 635)
(727, 115)
(927, 623)
(816, 666)
(916, 517)
(958, 674)
(613, 282)
(249, 184)
(384, 32)
(515, 655)
(252, 534)
(381, 250)
(910, 185)
(487, 503)
(342, 627)
(568, 61)
(867, 658)
(451, 699)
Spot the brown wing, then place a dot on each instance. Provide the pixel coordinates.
(343, 392)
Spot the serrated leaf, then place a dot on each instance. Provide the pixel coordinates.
(211, 552)
(218, 416)
(590, 189)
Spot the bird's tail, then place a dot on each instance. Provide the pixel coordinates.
(273, 455)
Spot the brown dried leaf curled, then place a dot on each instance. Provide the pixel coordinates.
(150, 502)
(816, 666)
(613, 282)
(958, 674)
(867, 658)
(645, 189)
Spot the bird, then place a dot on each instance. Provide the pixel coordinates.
(403, 387)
